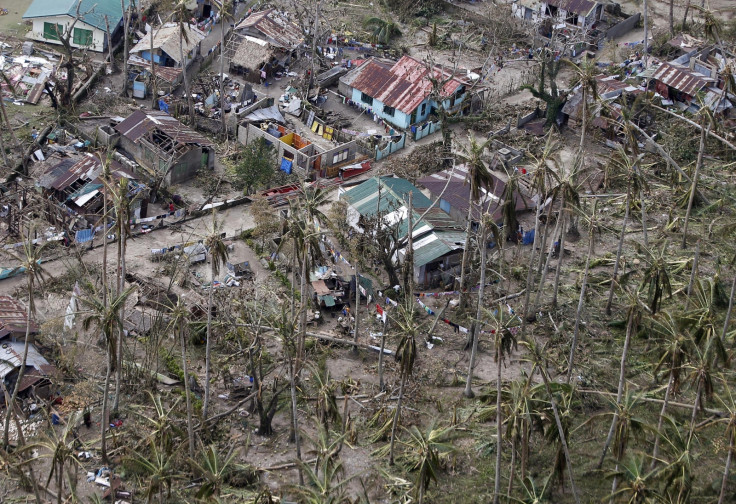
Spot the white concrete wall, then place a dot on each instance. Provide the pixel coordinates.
(98, 36)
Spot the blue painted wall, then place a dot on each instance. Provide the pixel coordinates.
(401, 119)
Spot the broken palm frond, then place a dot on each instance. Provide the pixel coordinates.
(645, 398)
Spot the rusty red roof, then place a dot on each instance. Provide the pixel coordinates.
(275, 27)
(404, 85)
(13, 317)
(582, 7)
(681, 78)
(87, 168)
(139, 123)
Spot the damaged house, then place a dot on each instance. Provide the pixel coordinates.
(77, 184)
(167, 49)
(402, 93)
(52, 19)
(677, 83)
(438, 239)
(13, 326)
(453, 190)
(163, 146)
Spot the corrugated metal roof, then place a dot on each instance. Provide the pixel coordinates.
(166, 38)
(582, 7)
(87, 168)
(458, 191)
(681, 78)
(404, 85)
(394, 196)
(274, 27)
(13, 317)
(11, 357)
(139, 123)
(168, 74)
(92, 12)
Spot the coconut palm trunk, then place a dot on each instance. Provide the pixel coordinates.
(397, 416)
(223, 17)
(22, 371)
(662, 413)
(616, 265)
(560, 432)
(466, 254)
(621, 381)
(105, 402)
(126, 26)
(187, 391)
(701, 151)
(727, 321)
(538, 297)
(208, 343)
(294, 415)
(357, 309)
(476, 326)
(529, 272)
(581, 299)
(696, 405)
(672, 18)
(499, 424)
(185, 77)
(727, 470)
(560, 258)
(303, 310)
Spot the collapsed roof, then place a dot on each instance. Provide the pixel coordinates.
(274, 27)
(167, 37)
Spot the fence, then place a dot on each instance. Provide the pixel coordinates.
(391, 147)
(623, 27)
(419, 132)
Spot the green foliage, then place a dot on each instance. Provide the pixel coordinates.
(256, 166)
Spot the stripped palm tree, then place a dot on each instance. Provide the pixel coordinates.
(478, 177)
(29, 260)
(383, 29)
(183, 16)
(218, 256)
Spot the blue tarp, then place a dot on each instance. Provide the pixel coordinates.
(84, 235)
(286, 166)
(163, 106)
(528, 238)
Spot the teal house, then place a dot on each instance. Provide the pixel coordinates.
(53, 19)
(402, 93)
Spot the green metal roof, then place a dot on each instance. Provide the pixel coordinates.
(437, 244)
(92, 12)
(328, 299)
(394, 195)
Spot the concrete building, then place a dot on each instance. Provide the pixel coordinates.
(402, 93)
(580, 13)
(52, 19)
(164, 147)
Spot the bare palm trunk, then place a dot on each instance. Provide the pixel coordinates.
(381, 384)
(561, 433)
(621, 381)
(22, 371)
(581, 300)
(185, 77)
(728, 311)
(222, 69)
(693, 272)
(499, 424)
(529, 273)
(646, 31)
(466, 255)
(185, 367)
(357, 310)
(672, 18)
(476, 326)
(538, 297)
(153, 73)
(397, 416)
(560, 258)
(724, 481)
(696, 176)
(294, 416)
(513, 466)
(662, 413)
(208, 344)
(105, 402)
(126, 25)
(684, 17)
(694, 415)
(616, 265)
(303, 312)
(644, 218)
